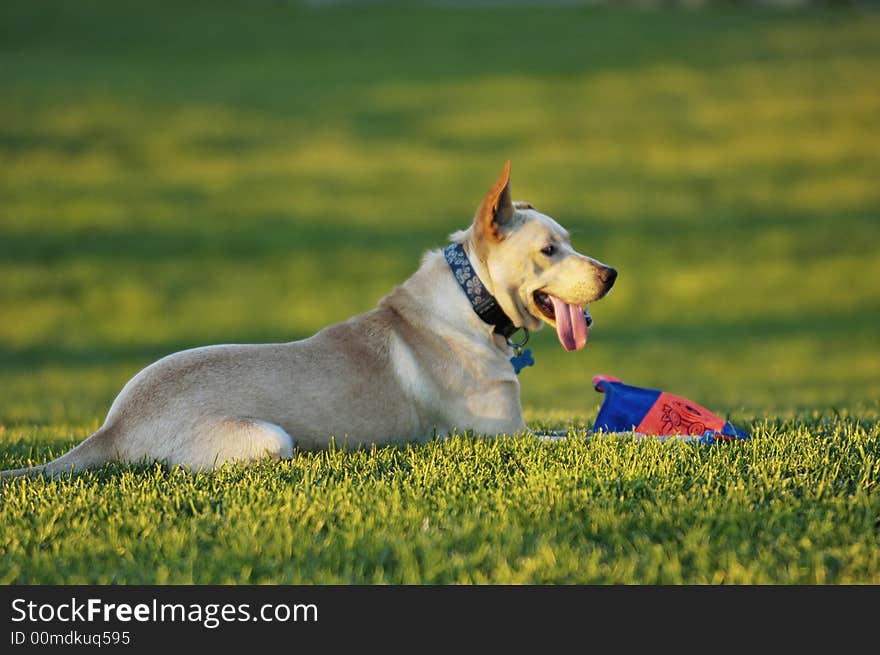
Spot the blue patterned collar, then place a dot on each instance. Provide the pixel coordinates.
(485, 305)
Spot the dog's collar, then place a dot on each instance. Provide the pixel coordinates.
(483, 302)
(485, 305)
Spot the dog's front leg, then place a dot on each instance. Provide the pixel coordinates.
(496, 410)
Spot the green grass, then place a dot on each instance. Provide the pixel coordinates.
(239, 172)
(798, 504)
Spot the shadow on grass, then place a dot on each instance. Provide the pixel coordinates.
(281, 234)
(857, 324)
(692, 332)
(56, 355)
(264, 236)
(282, 55)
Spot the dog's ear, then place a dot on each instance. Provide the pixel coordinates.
(497, 210)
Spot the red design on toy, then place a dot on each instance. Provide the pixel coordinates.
(673, 414)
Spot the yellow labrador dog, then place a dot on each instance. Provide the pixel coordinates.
(433, 357)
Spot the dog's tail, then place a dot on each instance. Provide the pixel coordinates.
(91, 452)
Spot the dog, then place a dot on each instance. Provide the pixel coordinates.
(434, 357)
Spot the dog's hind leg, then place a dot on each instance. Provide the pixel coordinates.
(207, 445)
(233, 441)
(94, 451)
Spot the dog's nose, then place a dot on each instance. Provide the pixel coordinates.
(608, 276)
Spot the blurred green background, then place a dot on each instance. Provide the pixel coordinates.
(178, 174)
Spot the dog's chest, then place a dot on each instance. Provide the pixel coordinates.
(458, 387)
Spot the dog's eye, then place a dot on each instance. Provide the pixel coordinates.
(549, 251)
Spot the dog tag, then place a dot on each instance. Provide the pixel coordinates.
(522, 360)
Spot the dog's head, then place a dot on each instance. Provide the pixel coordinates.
(534, 273)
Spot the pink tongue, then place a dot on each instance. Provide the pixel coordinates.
(571, 326)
